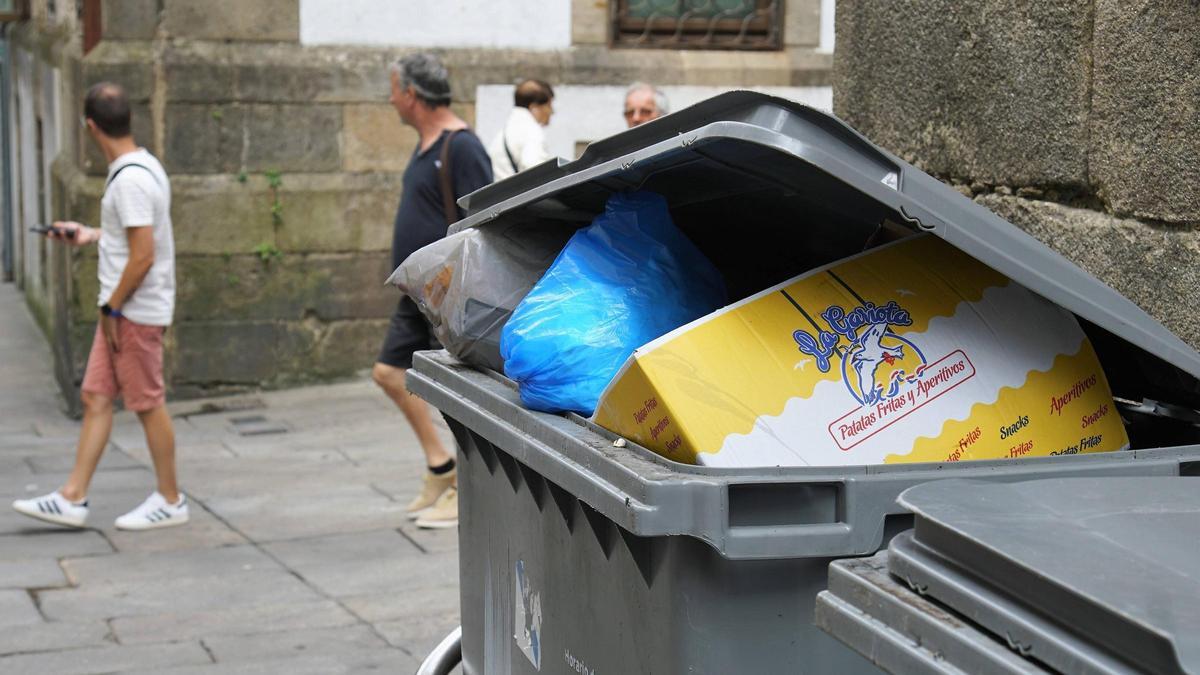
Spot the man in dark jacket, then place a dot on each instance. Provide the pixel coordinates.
(421, 96)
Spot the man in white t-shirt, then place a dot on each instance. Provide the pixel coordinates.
(522, 142)
(137, 300)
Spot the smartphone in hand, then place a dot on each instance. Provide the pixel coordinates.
(52, 230)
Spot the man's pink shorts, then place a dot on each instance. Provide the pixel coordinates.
(135, 372)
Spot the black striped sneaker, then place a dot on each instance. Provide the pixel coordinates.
(53, 508)
(154, 513)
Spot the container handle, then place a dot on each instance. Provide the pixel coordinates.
(445, 656)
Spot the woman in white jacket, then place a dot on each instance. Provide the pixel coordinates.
(522, 142)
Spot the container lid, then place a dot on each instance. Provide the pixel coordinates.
(769, 140)
(1112, 562)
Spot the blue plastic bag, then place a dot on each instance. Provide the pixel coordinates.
(628, 278)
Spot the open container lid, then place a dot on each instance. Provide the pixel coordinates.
(746, 143)
(1064, 567)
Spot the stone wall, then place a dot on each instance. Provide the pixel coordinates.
(286, 160)
(1076, 119)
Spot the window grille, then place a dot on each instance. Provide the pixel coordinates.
(697, 24)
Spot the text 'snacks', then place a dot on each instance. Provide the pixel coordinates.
(911, 352)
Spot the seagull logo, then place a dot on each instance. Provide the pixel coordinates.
(876, 363)
(866, 360)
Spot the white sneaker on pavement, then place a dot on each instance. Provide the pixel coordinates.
(53, 508)
(154, 513)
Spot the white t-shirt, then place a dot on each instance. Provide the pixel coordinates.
(526, 141)
(138, 197)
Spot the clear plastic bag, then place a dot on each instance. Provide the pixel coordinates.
(467, 284)
(625, 280)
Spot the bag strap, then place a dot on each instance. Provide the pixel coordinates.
(447, 181)
(126, 166)
(504, 138)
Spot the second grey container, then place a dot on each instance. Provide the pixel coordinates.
(580, 556)
(1079, 575)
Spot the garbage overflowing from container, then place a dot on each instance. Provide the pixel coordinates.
(624, 280)
(908, 352)
(468, 284)
(856, 280)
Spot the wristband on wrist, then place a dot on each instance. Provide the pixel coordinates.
(108, 310)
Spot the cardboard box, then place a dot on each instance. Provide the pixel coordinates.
(910, 352)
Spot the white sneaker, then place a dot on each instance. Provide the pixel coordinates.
(53, 508)
(155, 512)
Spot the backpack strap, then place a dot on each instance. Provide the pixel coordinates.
(447, 181)
(126, 166)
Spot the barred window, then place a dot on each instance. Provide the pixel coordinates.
(697, 24)
(13, 10)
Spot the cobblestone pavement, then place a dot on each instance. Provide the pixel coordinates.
(297, 559)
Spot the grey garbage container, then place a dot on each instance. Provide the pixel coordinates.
(1071, 575)
(580, 556)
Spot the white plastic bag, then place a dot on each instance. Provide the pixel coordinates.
(468, 284)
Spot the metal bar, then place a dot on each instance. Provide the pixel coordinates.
(445, 656)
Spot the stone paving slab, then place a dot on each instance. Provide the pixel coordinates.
(180, 594)
(296, 478)
(270, 518)
(415, 620)
(348, 564)
(245, 620)
(284, 450)
(58, 635)
(16, 609)
(128, 431)
(62, 429)
(61, 463)
(51, 543)
(128, 568)
(105, 659)
(15, 429)
(198, 454)
(305, 664)
(357, 647)
(380, 607)
(131, 479)
(384, 451)
(31, 573)
(418, 635)
(14, 466)
(22, 444)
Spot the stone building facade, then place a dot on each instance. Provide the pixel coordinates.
(1076, 119)
(271, 117)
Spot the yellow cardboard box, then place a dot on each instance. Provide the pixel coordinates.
(910, 352)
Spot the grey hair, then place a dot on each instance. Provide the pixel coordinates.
(426, 75)
(660, 99)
